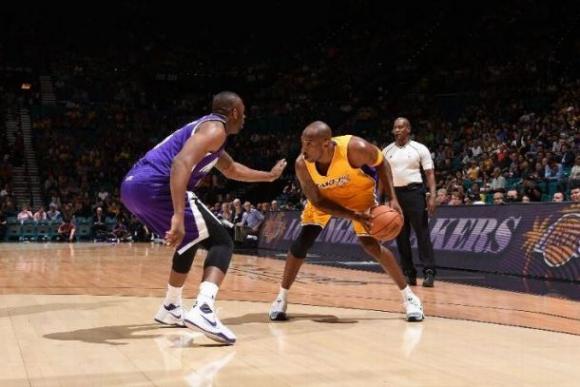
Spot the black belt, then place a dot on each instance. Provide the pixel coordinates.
(410, 187)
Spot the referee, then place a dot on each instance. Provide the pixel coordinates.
(406, 158)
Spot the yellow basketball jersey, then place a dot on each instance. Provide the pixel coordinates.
(353, 188)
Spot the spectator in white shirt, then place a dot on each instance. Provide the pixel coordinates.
(498, 182)
(40, 214)
(25, 215)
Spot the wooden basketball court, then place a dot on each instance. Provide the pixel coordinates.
(81, 315)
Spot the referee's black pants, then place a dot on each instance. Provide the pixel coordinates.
(412, 201)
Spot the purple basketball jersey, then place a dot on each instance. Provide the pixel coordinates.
(146, 191)
(159, 159)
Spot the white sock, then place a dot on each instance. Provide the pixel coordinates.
(207, 293)
(407, 293)
(283, 294)
(173, 295)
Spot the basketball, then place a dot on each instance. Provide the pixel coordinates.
(387, 223)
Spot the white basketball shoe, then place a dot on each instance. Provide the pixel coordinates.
(170, 315)
(278, 310)
(204, 318)
(414, 308)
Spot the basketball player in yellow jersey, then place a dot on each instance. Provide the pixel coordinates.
(336, 176)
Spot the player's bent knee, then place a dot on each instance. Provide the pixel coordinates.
(299, 249)
(305, 240)
(182, 262)
(220, 254)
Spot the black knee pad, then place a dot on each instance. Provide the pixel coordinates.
(305, 240)
(182, 262)
(219, 245)
(220, 255)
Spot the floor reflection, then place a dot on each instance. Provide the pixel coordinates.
(173, 348)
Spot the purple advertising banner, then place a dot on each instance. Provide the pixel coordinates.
(540, 240)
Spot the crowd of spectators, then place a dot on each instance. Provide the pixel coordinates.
(11, 155)
(502, 124)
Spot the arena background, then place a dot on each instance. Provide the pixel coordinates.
(491, 88)
(85, 91)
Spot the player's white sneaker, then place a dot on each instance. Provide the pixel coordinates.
(202, 317)
(170, 315)
(414, 308)
(278, 310)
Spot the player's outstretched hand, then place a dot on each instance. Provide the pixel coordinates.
(278, 169)
(174, 236)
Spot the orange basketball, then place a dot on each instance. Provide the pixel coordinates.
(387, 223)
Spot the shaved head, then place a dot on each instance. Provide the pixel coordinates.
(231, 106)
(224, 102)
(403, 121)
(318, 130)
(316, 141)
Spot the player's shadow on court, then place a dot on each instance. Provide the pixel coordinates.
(118, 335)
(251, 318)
(111, 335)
(56, 307)
(319, 318)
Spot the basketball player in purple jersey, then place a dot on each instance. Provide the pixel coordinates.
(159, 190)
